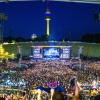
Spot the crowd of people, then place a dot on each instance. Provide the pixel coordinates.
(40, 72)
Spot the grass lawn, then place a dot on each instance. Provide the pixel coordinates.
(89, 49)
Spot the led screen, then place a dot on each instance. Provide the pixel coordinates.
(51, 52)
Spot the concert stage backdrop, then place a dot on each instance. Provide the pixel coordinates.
(51, 52)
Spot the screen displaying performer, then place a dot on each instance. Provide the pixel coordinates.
(51, 52)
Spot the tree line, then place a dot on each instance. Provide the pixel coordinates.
(92, 38)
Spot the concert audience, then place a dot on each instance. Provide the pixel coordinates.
(39, 73)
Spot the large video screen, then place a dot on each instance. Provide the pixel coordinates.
(51, 52)
(37, 53)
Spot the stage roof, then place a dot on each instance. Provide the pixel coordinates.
(81, 1)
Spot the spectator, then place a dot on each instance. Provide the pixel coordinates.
(58, 96)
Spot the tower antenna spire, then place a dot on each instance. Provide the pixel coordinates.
(47, 19)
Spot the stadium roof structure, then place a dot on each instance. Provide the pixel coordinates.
(81, 1)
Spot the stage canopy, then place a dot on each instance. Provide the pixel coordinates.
(82, 1)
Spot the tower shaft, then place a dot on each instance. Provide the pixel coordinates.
(48, 26)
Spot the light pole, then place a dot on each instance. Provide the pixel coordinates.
(80, 50)
(20, 56)
(3, 18)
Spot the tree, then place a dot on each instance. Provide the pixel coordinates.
(91, 38)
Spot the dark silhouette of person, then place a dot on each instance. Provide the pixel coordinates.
(97, 97)
(58, 96)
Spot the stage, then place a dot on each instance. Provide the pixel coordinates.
(51, 52)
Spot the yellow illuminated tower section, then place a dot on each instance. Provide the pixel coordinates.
(48, 22)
